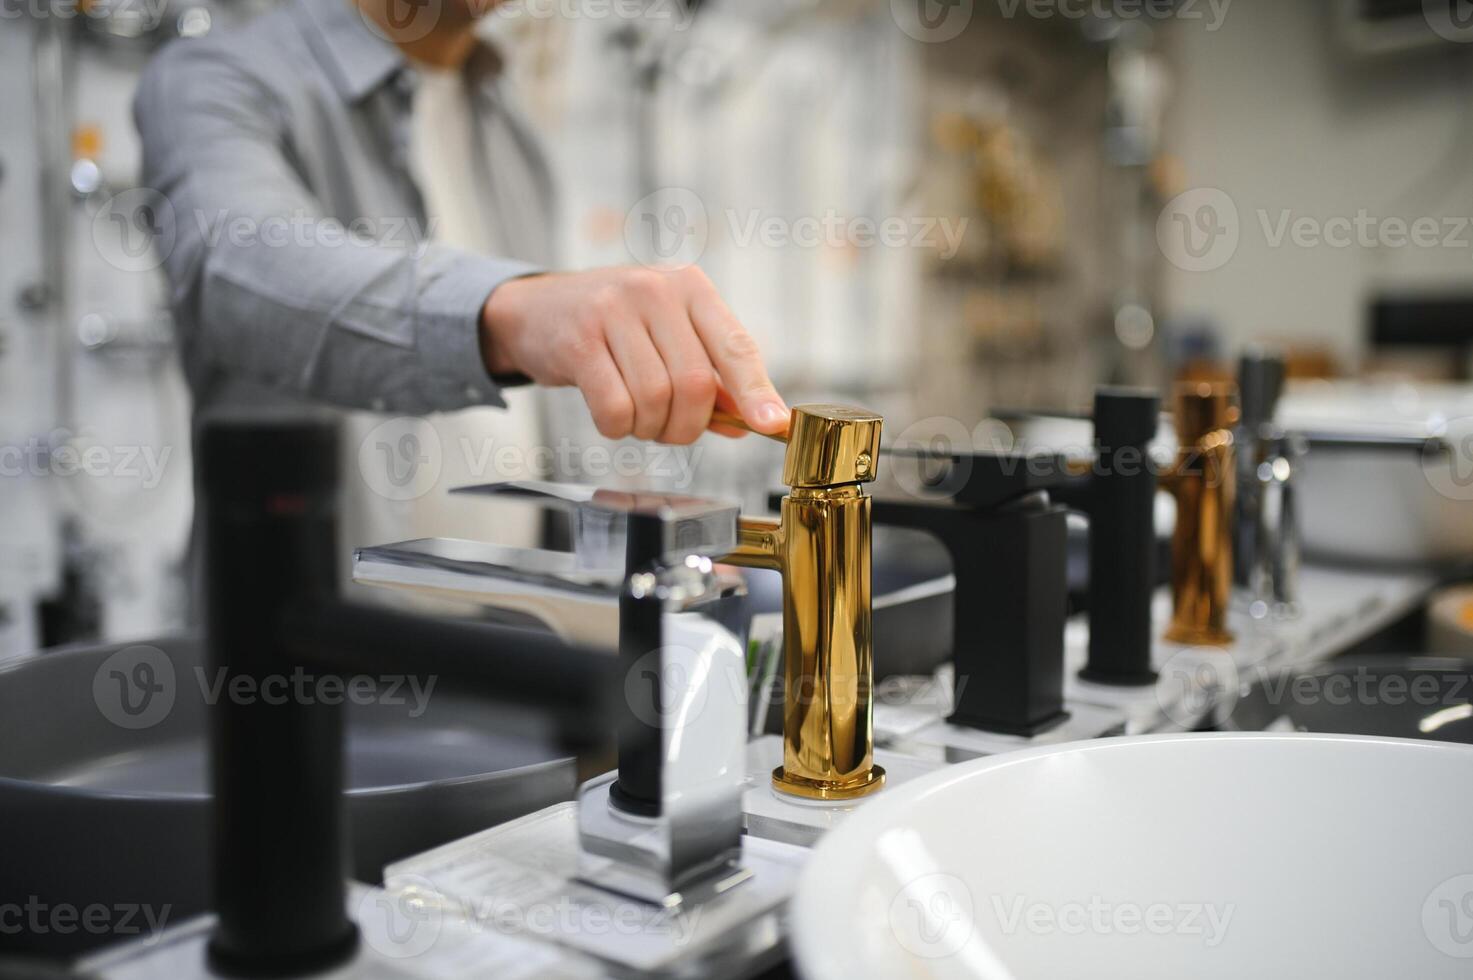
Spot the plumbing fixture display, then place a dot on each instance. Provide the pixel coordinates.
(267, 487)
(664, 829)
(1202, 481)
(1006, 538)
(662, 836)
(1266, 533)
(821, 545)
(1119, 495)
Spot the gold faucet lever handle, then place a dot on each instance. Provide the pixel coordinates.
(831, 446)
(720, 416)
(828, 445)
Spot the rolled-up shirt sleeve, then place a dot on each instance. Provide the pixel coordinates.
(268, 287)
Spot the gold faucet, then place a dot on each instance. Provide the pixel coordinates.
(821, 545)
(1202, 481)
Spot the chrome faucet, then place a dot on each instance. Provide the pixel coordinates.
(665, 827)
(1266, 538)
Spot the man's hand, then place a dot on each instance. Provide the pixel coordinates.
(652, 352)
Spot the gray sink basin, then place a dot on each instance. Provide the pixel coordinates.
(100, 806)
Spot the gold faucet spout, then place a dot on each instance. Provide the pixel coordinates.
(759, 544)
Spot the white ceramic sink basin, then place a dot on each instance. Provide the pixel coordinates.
(1180, 857)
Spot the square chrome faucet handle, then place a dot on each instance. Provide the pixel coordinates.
(574, 593)
(668, 827)
(692, 525)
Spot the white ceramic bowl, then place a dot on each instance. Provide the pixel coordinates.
(1172, 857)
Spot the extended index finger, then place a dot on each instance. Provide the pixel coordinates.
(737, 359)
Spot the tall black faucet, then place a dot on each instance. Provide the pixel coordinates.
(1119, 493)
(267, 487)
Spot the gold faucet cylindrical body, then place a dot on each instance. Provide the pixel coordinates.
(821, 544)
(1203, 483)
(828, 722)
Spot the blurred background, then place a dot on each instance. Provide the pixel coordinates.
(939, 209)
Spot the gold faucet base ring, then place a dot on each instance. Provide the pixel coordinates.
(828, 789)
(1188, 636)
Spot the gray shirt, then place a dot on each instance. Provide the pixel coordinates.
(294, 236)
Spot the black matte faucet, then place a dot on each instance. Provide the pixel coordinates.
(1006, 538)
(267, 489)
(1119, 494)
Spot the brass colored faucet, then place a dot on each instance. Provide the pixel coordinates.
(1202, 481)
(821, 545)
